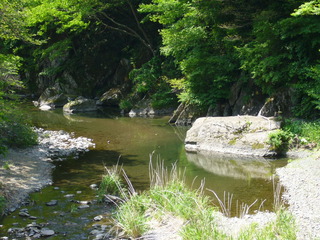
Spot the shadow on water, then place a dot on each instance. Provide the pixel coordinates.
(130, 141)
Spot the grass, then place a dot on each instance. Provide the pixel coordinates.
(3, 203)
(111, 183)
(169, 195)
(305, 132)
(6, 165)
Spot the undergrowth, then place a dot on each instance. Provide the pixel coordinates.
(169, 195)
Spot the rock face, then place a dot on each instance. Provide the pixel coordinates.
(80, 104)
(240, 135)
(185, 115)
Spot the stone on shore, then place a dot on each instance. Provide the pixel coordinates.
(240, 135)
(80, 104)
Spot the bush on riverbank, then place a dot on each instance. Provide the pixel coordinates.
(307, 133)
(195, 217)
(14, 128)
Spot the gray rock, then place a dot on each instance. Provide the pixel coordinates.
(83, 206)
(52, 203)
(241, 135)
(98, 218)
(52, 97)
(94, 186)
(110, 98)
(80, 104)
(46, 232)
(69, 195)
(24, 214)
(145, 108)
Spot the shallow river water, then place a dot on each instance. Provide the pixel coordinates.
(130, 141)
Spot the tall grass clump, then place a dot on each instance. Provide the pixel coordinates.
(284, 227)
(169, 196)
(111, 183)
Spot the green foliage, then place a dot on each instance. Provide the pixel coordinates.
(192, 36)
(6, 165)
(111, 183)
(284, 227)
(130, 216)
(308, 8)
(3, 203)
(309, 131)
(280, 141)
(151, 80)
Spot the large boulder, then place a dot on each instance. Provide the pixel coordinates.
(240, 135)
(52, 97)
(80, 104)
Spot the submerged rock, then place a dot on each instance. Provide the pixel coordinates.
(52, 203)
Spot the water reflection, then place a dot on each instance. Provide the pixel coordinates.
(232, 166)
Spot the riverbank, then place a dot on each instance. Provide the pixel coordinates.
(24, 171)
(301, 180)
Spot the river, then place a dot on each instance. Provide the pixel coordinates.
(129, 142)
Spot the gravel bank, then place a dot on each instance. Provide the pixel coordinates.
(301, 180)
(23, 171)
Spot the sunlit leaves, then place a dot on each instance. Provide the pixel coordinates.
(308, 8)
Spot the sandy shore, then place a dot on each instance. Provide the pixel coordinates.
(28, 170)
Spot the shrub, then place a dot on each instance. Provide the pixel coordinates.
(279, 141)
(308, 130)
(14, 128)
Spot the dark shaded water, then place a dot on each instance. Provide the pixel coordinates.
(131, 141)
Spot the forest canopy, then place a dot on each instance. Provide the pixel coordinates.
(192, 51)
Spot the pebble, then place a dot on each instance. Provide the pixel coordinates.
(94, 186)
(83, 206)
(98, 218)
(52, 203)
(69, 195)
(46, 232)
(24, 214)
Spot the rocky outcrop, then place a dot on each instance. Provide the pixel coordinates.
(240, 135)
(185, 114)
(144, 108)
(110, 98)
(51, 98)
(80, 104)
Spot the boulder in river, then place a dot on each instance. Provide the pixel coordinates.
(52, 97)
(80, 104)
(239, 135)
